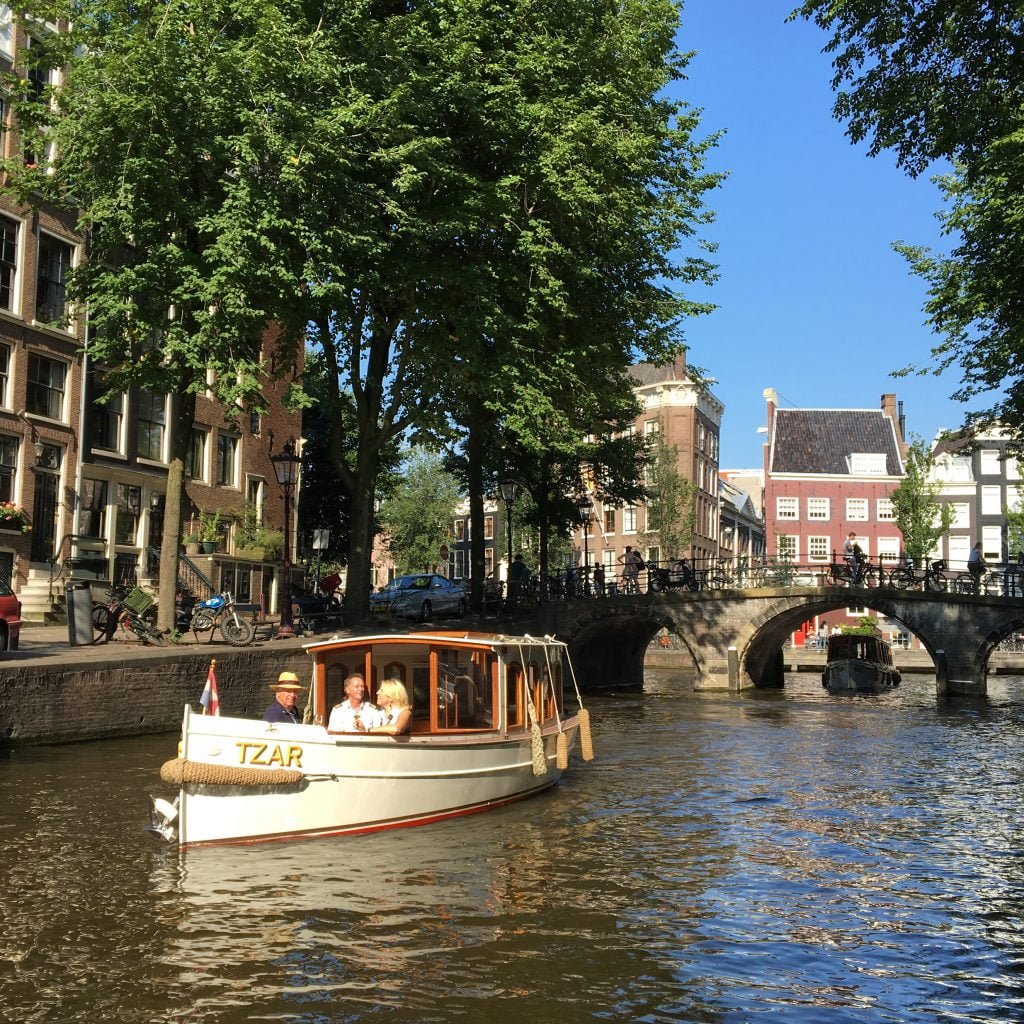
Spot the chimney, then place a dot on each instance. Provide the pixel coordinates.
(772, 400)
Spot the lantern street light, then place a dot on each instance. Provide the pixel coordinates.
(509, 491)
(286, 469)
(586, 518)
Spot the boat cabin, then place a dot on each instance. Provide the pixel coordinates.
(859, 646)
(457, 682)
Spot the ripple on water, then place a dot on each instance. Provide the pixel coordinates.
(726, 858)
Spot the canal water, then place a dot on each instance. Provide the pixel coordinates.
(726, 858)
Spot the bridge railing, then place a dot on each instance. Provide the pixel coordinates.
(597, 582)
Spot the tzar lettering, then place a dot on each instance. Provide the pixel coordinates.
(256, 753)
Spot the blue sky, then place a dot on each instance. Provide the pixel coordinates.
(812, 299)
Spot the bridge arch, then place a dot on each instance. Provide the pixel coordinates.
(734, 638)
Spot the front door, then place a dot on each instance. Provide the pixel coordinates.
(44, 512)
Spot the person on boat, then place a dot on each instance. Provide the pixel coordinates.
(286, 694)
(354, 713)
(396, 711)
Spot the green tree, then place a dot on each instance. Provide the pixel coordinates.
(941, 80)
(672, 507)
(1015, 525)
(160, 153)
(518, 226)
(417, 517)
(921, 518)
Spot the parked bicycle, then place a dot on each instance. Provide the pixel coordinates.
(132, 610)
(217, 612)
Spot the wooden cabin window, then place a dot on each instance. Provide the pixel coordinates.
(464, 694)
(514, 695)
(336, 676)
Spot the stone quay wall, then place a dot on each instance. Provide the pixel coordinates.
(89, 694)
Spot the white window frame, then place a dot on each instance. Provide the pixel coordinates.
(989, 463)
(236, 459)
(629, 518)
(991, 500)
(961, 515)
(992, 543)
(53, 325)
(867, 464)
(857, 510)
(164, 431)
(884, 512)
(819, 509)
(785, 505)
(819, 549)
(48, 356)
(17, 286)
(786, 550)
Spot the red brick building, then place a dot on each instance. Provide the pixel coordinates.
(829, 472)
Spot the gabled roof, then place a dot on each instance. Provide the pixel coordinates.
(823, 440)
(739, 500)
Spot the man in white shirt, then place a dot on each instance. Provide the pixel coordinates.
(354, 714)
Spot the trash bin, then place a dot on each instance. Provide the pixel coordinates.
(78, 597)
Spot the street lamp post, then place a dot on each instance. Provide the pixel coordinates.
(286, 468)
(586, 518)
(509, 491)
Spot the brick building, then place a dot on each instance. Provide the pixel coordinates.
(688, 418)
(91, 477)
(829, 472)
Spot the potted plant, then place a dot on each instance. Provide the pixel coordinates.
(13, 517)
(253, 540)
(192, 541)
(209, 532)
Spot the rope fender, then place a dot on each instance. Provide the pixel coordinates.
(178, 770)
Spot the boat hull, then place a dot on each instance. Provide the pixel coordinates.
(857, 676)
(348, 784)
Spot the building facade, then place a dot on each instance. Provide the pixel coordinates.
(90, 474)
(980, 477)
(829, 473)
(688, 418)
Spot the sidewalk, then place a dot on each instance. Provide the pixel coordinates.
(50, 645)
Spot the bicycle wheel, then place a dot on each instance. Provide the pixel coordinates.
(964, 585)
(901, 579)
(937, 582)
(237, 632)
(100, 621)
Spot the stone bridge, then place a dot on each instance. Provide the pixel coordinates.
(734, 637)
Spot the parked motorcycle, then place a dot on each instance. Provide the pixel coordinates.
(217, 612)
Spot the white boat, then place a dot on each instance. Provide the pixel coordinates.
(488, 726)
(859, 663)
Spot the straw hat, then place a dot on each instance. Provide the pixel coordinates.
(288, 681)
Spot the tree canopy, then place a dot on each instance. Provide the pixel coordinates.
(921, 518)
(938, 80)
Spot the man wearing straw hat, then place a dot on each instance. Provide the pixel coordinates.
(286, 693)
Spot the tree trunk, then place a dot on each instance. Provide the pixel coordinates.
(475, 484)
(183, 415)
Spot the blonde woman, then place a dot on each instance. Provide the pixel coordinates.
(393, 701)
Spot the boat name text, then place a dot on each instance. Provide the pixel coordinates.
(256, 753)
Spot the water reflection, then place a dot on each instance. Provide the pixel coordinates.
(726, 856)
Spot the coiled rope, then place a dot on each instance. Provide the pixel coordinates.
(178, 770)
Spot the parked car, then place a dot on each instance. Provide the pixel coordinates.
(10, 618)
(421, 595)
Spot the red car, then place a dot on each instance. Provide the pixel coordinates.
(10, 618)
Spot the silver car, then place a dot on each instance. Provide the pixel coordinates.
(421, 595)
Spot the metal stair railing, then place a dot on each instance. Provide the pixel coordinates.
(190, 576)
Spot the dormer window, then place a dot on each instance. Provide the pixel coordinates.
(867, 464)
